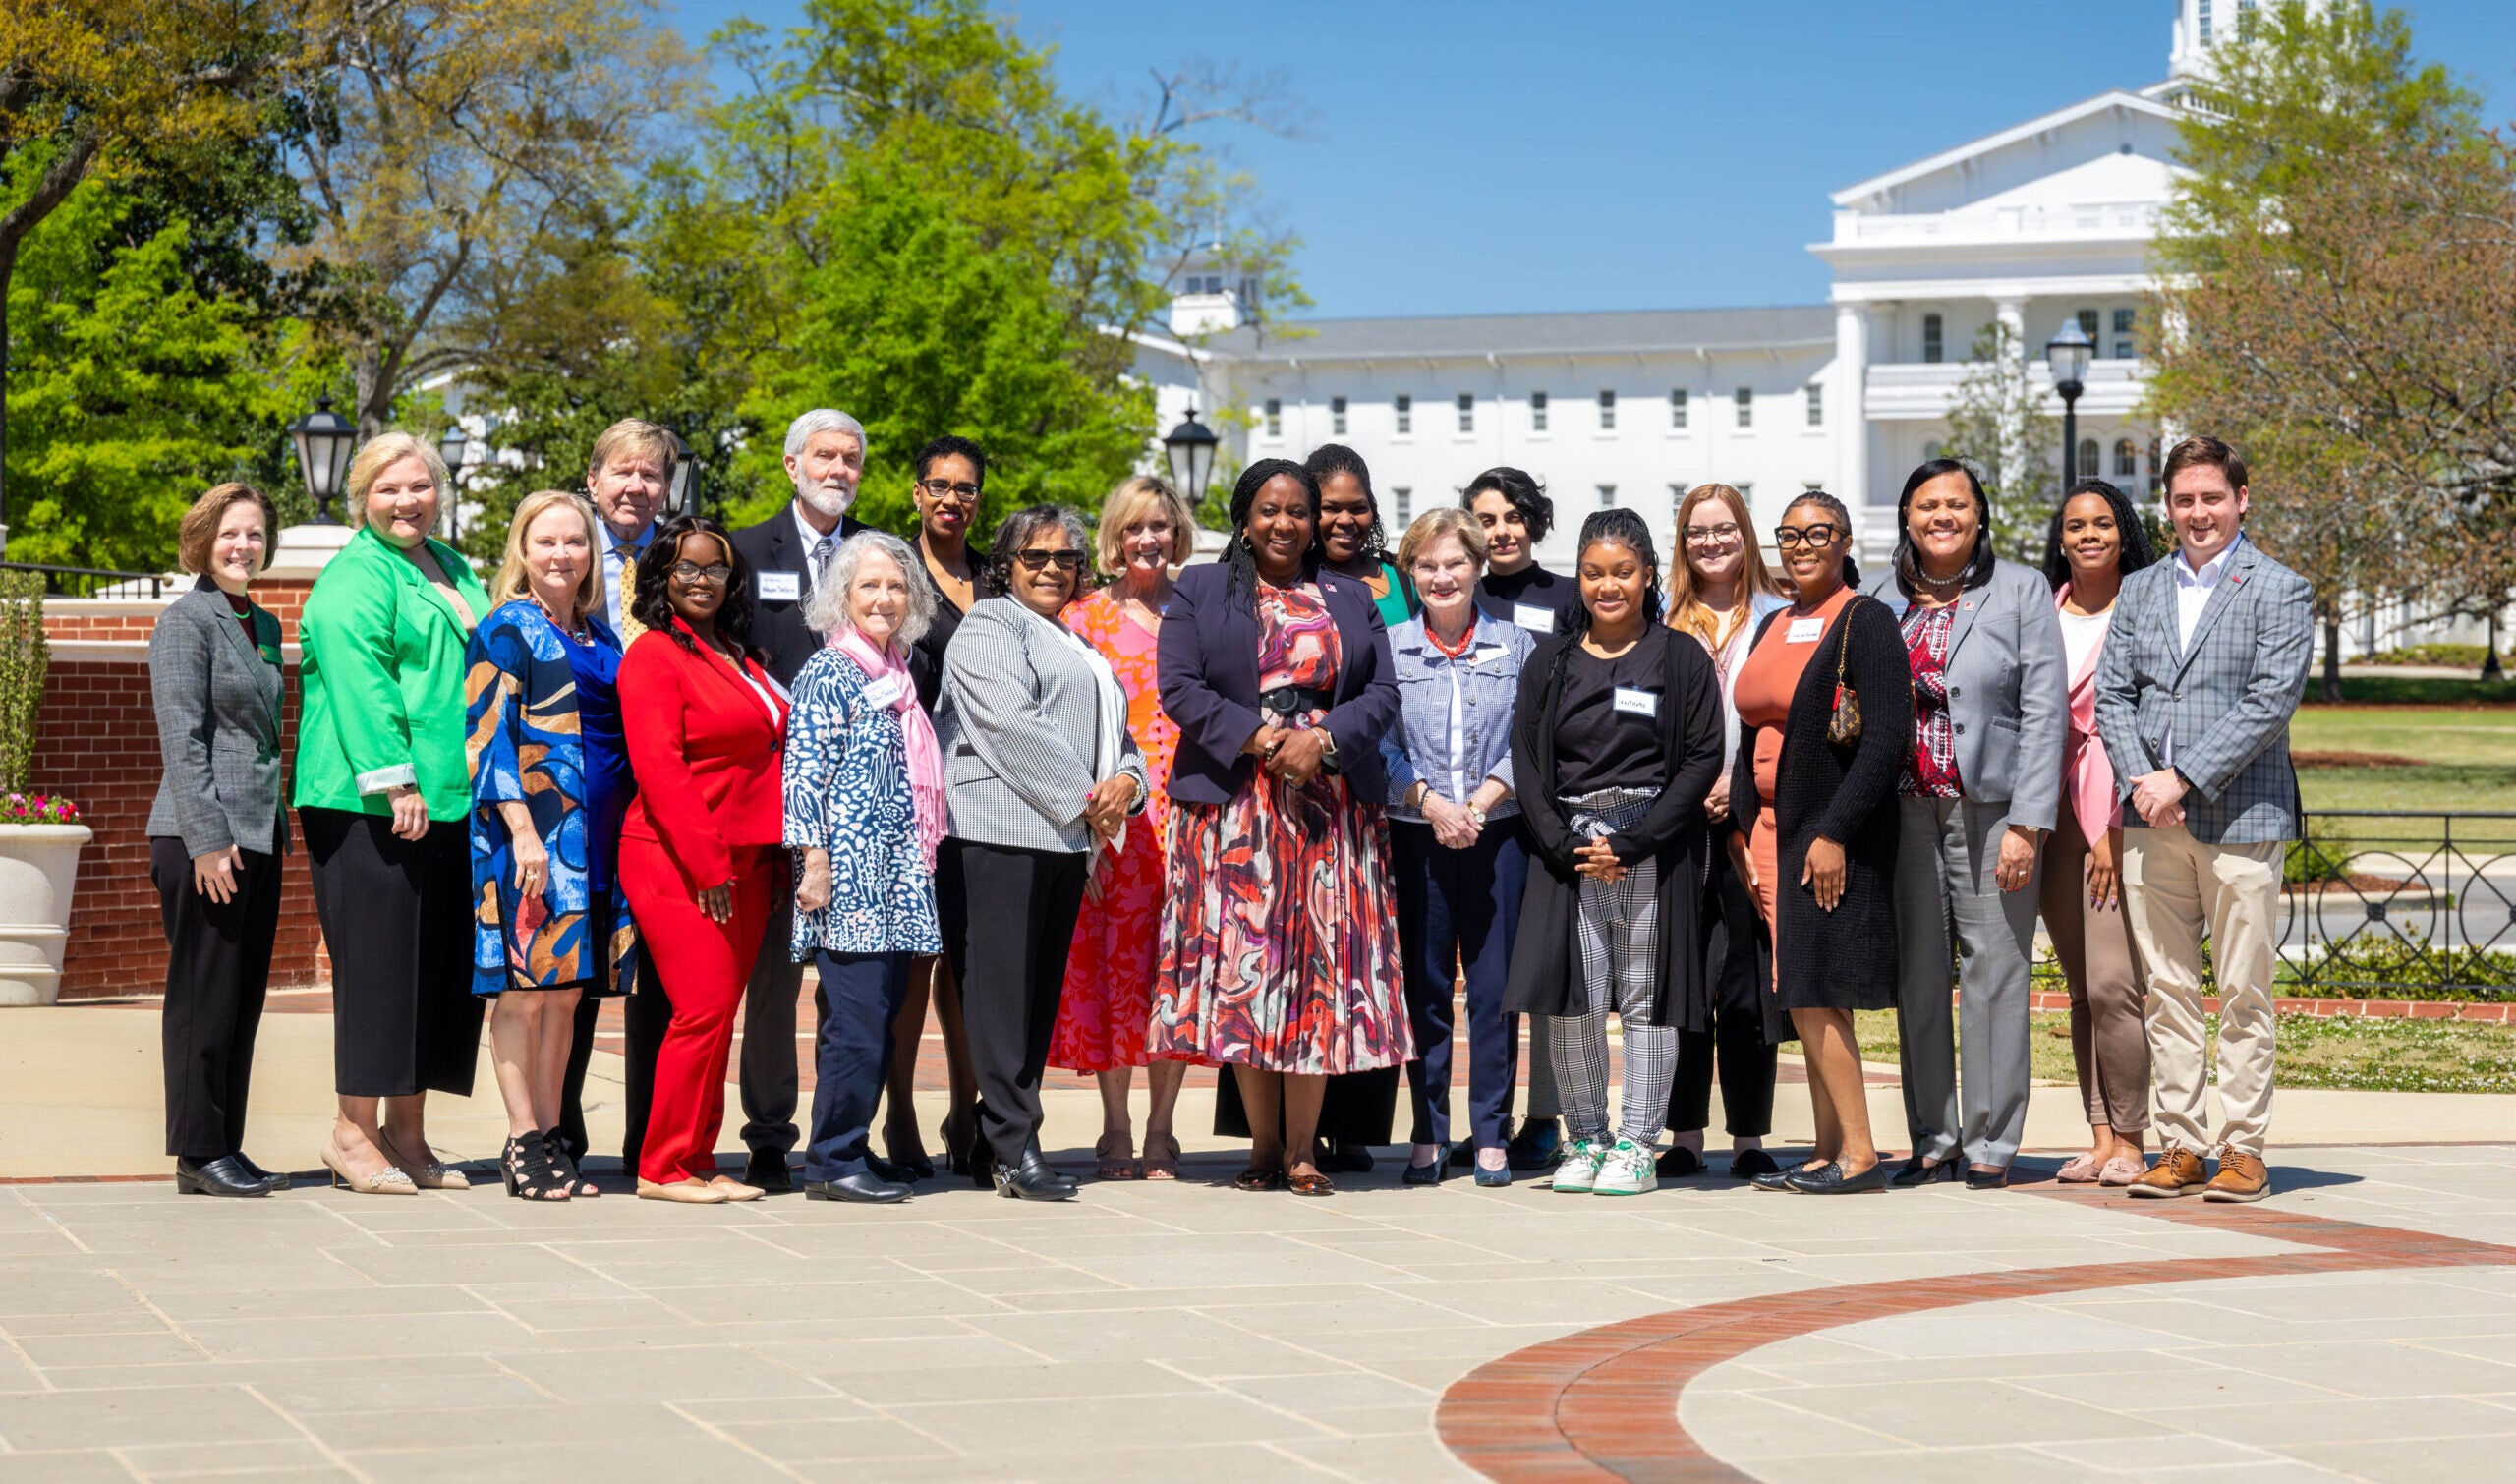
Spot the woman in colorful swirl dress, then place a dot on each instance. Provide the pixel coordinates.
(1280, 943)
(549, 781)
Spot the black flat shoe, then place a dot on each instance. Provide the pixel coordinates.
(1776, 1178)
(1678, 1163)
(218, 1177)
(1034, 1179)
(1343, 1159)
(864, 1187)
(1986, 1180)
(1921, 1171)
(1537, 1146)
(245, 1163)
(767, 1168)
(1752, 1163)
(1828, 1180)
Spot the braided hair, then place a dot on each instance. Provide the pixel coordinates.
(1616, 528)
(1240, 589)
(1335, 458)
(2136, 552)
(1842, 517)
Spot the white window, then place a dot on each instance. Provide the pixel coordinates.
(2089, 327)
(1677, 409)
(1676, 503)
(1402, 498)
(2204, 9)
(2088, 465)
(2245, 22)
(1405, 406)
(1538, 412)
(1816, 404)
(1747, 402)
(2127, 459)
(1337, 416)
(1934, 345)
(1607, 496)
(1466, 412)
(1274, 418)
(2124, 323)
(1930, 450)
(1607, 415)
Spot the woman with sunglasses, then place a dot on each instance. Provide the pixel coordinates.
(1041, 774)
(1279, 947)
(700, 847)
(1814, 824)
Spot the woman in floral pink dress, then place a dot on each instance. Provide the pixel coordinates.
(1146, 530)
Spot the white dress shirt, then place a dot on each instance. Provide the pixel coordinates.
(812, 540)
(2192, 590)
(616, 558)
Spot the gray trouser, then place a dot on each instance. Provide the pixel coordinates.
(1945, 860)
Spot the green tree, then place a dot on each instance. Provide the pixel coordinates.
(1998, 425)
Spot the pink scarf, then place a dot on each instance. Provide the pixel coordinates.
(916, 731)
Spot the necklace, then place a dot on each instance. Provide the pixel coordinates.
(1466, 637)
(580, 631)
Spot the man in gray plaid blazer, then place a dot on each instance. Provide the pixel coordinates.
(2204, 666)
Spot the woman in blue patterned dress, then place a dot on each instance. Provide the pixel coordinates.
(550, 783)
(864, 786)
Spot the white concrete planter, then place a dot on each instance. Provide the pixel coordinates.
(39, 868)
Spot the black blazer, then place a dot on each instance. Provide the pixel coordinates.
(1546, 956)
(926, 656)
(1209, 669)
(779, 628)
(1844, 959)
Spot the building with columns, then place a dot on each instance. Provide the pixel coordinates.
(2048, 221)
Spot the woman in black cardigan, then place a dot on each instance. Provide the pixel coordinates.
(1615, 741)
(1815, 824)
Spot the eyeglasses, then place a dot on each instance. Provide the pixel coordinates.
(1726, 531)
(690, 571)
(1819, 535)
(1033, 559)
(946, 490)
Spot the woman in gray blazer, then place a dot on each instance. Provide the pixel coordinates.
(1991, 709)
(216, 834)
(1039, 772)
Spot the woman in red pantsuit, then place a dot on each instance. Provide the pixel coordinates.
(705, 729)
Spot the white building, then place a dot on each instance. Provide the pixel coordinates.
(2048, 221)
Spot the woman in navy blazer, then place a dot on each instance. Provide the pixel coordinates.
(1279, 940)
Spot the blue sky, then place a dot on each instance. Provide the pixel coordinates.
(1484, 157)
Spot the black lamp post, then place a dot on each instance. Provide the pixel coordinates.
(685, 476)
(453, 448)
(323, 439)
(2067, 353)
(1190, 450)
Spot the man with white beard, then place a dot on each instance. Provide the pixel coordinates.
(787, 552)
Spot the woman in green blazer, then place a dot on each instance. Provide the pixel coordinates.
(384, 794)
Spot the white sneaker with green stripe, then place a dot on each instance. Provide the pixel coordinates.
(1628, 1170)
(1579, 1170)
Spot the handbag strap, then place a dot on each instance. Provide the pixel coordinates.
(1843, 637)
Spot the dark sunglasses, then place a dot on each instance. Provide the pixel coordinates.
(1033, 559)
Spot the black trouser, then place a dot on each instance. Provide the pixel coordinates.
(645, 1018)
(218, 962)
(572, 1089)
(860, 997)
(1012, 967)
(1734, 967)
(397, 920)
(768, 1068)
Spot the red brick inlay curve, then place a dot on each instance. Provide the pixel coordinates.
(1603, 1404)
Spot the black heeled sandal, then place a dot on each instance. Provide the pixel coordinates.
(525, 1165)
(563, 1167)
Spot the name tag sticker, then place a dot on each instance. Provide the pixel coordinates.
(883, 692)
(1534, 618)
(780, 587)
(1805, 631)
(1634, 703)
(1486, 652)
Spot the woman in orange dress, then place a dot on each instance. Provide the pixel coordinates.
(1107, 1008)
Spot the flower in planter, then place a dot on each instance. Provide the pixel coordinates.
(37, 809)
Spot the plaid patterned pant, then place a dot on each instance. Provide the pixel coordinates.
(1620, 936)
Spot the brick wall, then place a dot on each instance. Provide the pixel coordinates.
(96, 742)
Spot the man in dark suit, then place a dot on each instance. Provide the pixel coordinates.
(787, 552)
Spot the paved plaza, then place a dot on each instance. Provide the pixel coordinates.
(2361, 1324)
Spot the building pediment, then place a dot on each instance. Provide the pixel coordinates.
(2116, 124)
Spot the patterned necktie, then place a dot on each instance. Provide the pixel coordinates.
(628, 627)
(822, 551)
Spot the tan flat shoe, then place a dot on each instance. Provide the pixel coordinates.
(389, 1181)
(687, 1192)
(428, 1175)
(734, 1189)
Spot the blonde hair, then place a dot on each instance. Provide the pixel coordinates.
(631, 435)
(1687, 612)
(1431, 527)
(515, 580)
(383, 452)
(1127, 504)
(199, 531)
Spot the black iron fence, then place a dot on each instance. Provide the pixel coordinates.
(91, 581)
(2400, 904)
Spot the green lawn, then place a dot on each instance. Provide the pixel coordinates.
(2467, 758)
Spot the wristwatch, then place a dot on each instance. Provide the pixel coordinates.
(1477, 813)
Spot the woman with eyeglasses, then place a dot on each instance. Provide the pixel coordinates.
(2096, 539)
(1992, 712)
(1279, 949)
(950, 490)
(1825, 716)
(1041, 775)
(699, 849)
(1718, 592)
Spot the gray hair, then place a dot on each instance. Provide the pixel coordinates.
(1024, 526)
(828, 611)
(824, 420)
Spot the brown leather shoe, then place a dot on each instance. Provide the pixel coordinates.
(2242, 1177)
(2178, 1171)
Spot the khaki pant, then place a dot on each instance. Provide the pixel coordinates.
(2174, 887)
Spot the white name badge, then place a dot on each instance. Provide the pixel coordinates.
(1487, 652)
(883, 692)
(1535, 619)
(1805, 631)
(1634, 703)
(780, 587)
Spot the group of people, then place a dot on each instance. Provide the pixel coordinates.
(1097, 807)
